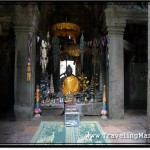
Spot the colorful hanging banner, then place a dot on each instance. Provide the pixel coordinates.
(100, 42)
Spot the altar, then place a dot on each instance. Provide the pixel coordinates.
(74, 85)
(84, 109)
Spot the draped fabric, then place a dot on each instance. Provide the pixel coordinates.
(70, 84)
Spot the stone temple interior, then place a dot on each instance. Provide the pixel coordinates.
(115, 55)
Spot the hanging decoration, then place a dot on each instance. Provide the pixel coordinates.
(44, 83)
(73, 50)
(55, 47)
(97, 47)
(28, 71)
(101, 42)
(66, 29)
(30, 39)
(82, 49)
(43, 58)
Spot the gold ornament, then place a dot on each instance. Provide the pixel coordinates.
(74, 50)
(65, 29)
(83, 82)
(28, 71)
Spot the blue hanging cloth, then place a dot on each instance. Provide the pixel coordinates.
(82, 49)
(55, 48)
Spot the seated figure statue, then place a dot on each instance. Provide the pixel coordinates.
(70, 83)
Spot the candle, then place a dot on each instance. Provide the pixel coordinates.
(104, 95)
(37, 93)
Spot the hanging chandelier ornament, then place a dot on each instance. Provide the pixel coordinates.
(73, 50)
(66, 29)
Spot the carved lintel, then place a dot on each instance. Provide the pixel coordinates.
(121, 12)
(24, 29)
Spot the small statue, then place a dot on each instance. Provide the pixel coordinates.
(85, 100)
(69, 97)
(47, 101)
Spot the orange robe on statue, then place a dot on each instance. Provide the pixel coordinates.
(70, 85)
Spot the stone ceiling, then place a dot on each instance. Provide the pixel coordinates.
(88, 15)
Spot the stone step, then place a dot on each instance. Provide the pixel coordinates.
(84, 109)
(52, 112)
(54, 109)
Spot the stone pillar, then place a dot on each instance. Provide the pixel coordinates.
(100, 76)
(116, 64)
(102, 72)
(148, 85)
(24, 92)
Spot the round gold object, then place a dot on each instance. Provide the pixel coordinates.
(73, 50)
(65, 29)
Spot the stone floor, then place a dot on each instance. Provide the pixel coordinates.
(21, 132)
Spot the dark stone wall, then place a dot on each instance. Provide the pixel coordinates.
(135, 67)
(138, 85)
(135, 85)
(7, 58)
(127, 80)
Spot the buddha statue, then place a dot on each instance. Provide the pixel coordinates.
(70, 83)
